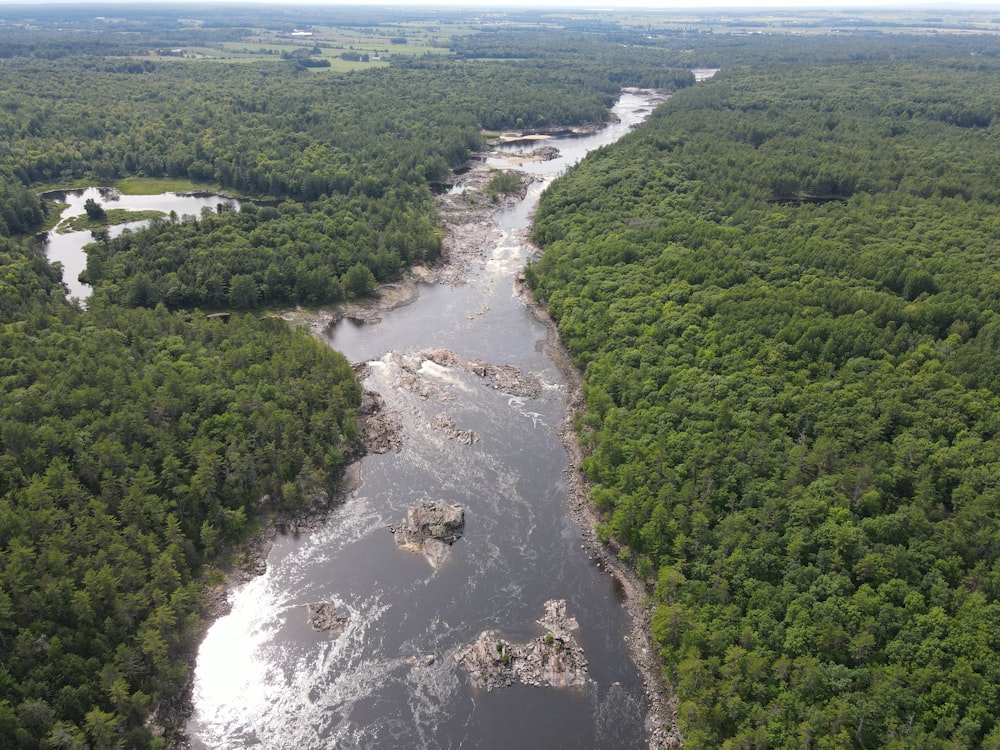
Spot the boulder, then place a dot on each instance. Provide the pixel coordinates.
(325, 616)
(434, 519)
(381, 428)
(504, 378)
(431, 528)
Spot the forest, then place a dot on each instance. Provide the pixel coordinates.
(142, 438)
(782, 291)
(349, 162)
(783, 294)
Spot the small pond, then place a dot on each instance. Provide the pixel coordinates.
(67, 249)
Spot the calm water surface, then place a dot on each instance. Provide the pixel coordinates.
(265, 679)
(67, 249)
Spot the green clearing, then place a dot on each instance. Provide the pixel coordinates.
(798, 21)
(53, 217)
(346, 66)
(332, 42)
(157, 185)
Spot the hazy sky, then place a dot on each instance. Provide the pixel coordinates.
(944, 5)
(667, 4)
(660, 4)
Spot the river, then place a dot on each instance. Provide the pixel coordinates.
(265, 678)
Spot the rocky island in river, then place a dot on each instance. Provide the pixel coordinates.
(553, 659)
(431, 528)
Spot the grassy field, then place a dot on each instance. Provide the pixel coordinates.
(386, 40)
(421, 39)
(156, 185)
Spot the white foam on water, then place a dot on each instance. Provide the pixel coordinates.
(265, 679)
(444, 374)
(231, 668)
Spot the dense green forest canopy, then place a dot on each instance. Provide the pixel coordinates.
(134, 444)
(355, 156)
(142, 437)
(783, 291)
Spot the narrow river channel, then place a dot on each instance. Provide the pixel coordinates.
(265, 678)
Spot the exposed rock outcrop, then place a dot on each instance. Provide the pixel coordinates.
(381, 428)
(431, 528)
(553, 659)
(325, 616)
(545, 153)
(505, 378)
(514, 158)
(446, 424)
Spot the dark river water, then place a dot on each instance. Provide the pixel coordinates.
(67, 249)
(265, 678)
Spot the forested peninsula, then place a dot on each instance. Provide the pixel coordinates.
(782, 292)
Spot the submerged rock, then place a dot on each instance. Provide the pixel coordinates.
(431, 528)
(446, 424)
(325, 616)
(553, 659)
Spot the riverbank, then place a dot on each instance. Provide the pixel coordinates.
(482, 250)
(661, 719)
(467, 218)
(233, 568)
(470, 225)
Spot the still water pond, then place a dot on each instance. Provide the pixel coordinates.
(265, 679)
(67, 249)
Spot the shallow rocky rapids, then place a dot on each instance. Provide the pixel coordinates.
(467, 403)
